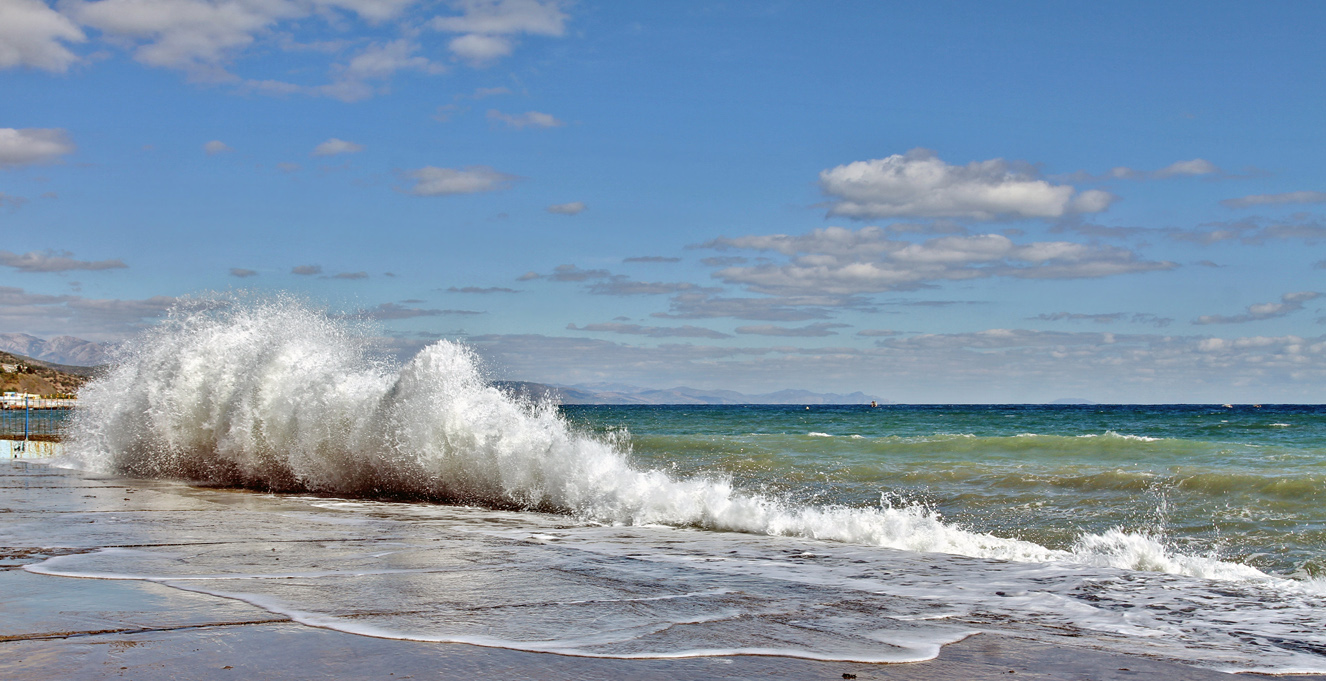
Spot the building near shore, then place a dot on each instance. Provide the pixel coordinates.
(21, 400)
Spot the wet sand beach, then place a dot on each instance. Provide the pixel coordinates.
(61, 627)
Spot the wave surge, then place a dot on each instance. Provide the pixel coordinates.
(276, 396)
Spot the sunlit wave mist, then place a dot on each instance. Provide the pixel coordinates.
(276, 395)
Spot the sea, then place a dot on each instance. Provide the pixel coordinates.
(1191, 533)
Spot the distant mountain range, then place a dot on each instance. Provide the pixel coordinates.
(77, 353)
(58, 350)
(617, 393)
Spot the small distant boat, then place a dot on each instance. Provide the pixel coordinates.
(1227, 406)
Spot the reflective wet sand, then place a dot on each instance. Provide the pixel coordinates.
(69, 627)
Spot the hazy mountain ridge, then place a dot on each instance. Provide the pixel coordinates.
(66, 350)
(616, 393)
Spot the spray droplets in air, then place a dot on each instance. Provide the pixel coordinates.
(279, 396)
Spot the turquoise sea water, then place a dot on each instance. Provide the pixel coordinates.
(1189, 533)
(1243, 483)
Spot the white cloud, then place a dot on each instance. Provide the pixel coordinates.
(216, 147)
(380, 61)
(686, 331)
(29, 146)
(488, 25)
(991, 366)
(392, 311)
(1254, 231)
(529, 119)
(573, 208)
(433, 181)
(32, 34)
(502, 17)
(481, 49)
(1275, 199)
(1197, 166)
(918, 184)
(336, 146)
(55, 261)
(99, 319)
(1289, 303)
(808, 331)
(1191, 168)
(843, 262)
(197, 36)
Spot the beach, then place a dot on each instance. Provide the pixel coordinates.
(63, 627)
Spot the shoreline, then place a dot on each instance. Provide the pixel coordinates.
(69, 627)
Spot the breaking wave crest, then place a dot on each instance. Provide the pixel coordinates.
(277, 396)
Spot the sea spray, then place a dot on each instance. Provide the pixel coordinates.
(278, 396)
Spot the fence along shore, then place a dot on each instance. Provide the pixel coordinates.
(31, 426)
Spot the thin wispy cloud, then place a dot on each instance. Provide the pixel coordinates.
(1289, 304)
(573, 208)
(481, 291)
(55, 261)
(1275, 199)
(529, 119)
(434, 181)
(335, 147)
(686, 331)
(808, 331)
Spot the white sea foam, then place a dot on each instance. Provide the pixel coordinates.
(816, 434)
(277, 396)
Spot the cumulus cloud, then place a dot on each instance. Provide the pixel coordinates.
(489, 27)
(433, 181)
(306, 270)
(30, 146)
(686, 331)
(573, 208)
(529, 119)
(808, 331)
(1275, 199)
(392, 311)
(193, 35)
(334, 146)
(203, 38)
(838, 261)
(243, 272)
(1289, 303)
(919, 184)
(478, 290)
(55, 261)
(34, 35)
(216, 147)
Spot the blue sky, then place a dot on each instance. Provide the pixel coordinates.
(930, 202)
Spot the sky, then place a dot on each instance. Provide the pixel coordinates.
(929, 202)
